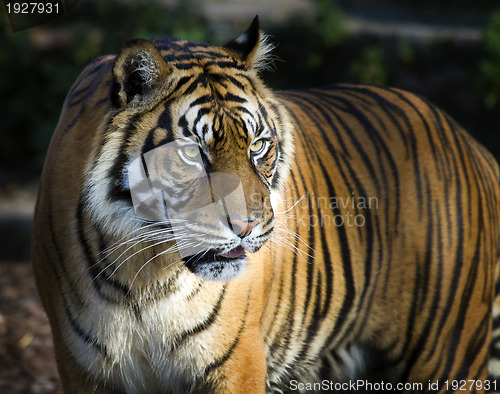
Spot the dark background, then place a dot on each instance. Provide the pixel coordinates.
(446, 50)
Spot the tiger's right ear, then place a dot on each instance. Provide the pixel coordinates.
(139, 70)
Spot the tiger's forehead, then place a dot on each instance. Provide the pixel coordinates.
(214, 96)
(208, 109)
(213, 120)
(184, 54)
(208, 70)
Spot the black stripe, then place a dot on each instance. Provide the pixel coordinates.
(105, 100)
(237, 99)
(477, 341)
(183, 124)
(243, 110)
(66, 277)
(181, 83)
(222, 360)
(464, 157)
(85, 335)
(117, 191)
(204, 325)
(199, 80)
(93, 268)
(75, 119)
(201, 113)
(205, 99)
(432, 312)
(81, 95)
(221, 78)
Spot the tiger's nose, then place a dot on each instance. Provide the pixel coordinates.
(243, 228)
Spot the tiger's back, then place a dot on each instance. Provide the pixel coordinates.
(397, 210)
(371, 232)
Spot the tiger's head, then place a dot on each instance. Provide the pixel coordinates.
(193, 149)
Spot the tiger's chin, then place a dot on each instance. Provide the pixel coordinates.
(220, 267)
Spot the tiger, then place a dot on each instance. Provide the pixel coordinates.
(197, 232)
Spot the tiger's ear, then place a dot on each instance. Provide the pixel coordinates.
(251, 47)
(139, 70)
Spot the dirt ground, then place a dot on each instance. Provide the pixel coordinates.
(27, 362)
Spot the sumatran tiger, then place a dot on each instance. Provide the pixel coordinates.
(197, 232)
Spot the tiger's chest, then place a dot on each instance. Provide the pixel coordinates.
(151, 348)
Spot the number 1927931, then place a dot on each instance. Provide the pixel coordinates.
(32, 8)
(468, 385)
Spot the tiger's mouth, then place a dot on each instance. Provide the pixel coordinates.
(233, 253)
(218, 266)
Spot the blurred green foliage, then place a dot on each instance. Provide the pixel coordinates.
(304, 45)
(489, 66)
(406, 52)
(371, 66)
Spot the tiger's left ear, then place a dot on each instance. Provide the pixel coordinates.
(139, 72)
(251, 47)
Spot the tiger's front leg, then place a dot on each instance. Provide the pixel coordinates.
(73, 379)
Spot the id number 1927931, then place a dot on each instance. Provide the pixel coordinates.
(468, 385)
(32, 8)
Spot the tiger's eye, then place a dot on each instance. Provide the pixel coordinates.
(190, 151)
(257, 146)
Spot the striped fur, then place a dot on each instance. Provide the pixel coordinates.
(372, 254)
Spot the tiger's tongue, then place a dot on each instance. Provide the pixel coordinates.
(232, 254)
